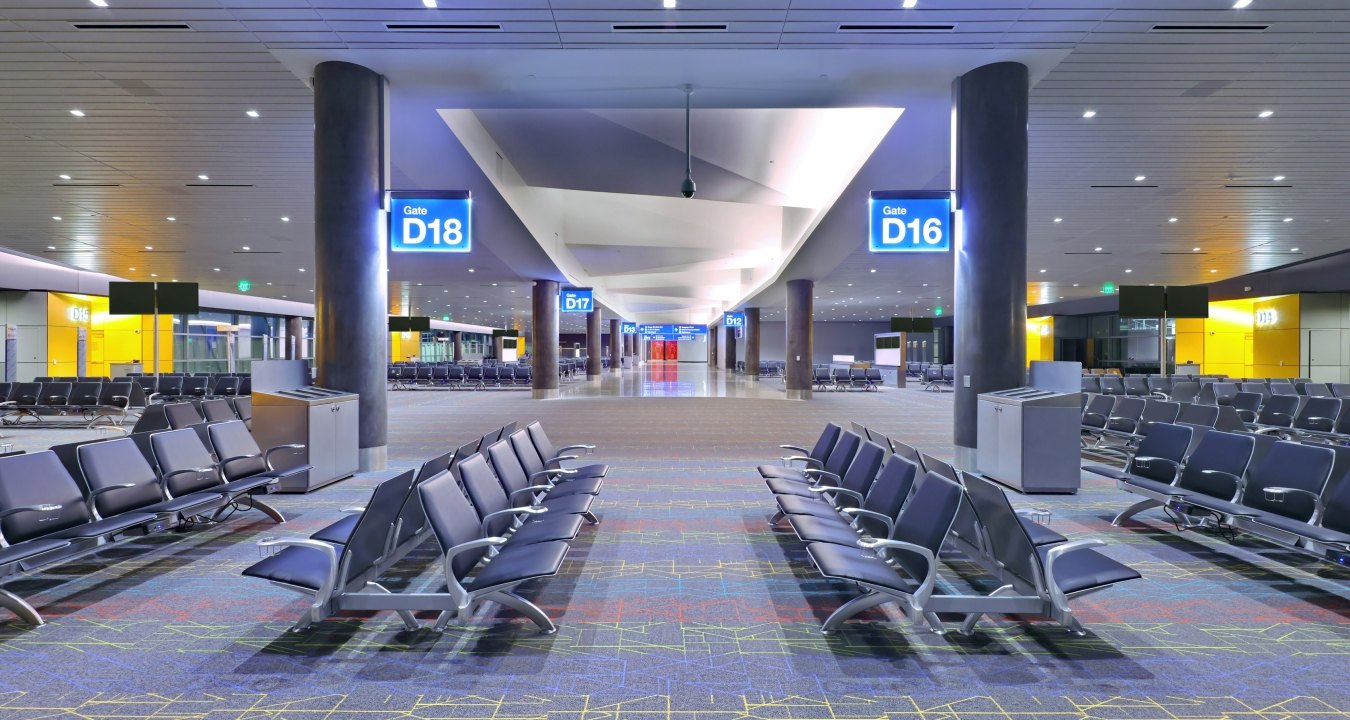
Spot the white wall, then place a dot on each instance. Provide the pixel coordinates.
(1324, 336)
(829, 338)
(27, 310)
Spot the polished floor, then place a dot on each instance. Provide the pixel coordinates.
(675, 379)
(681, 604)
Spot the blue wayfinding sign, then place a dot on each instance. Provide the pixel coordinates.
(576, 300)
(429, 222)
(672, 332)
(919, 221)
(733, 319)
(628, 328)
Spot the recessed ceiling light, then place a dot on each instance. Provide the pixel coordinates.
(850, 284)
(1171, 220)
(171, 218)
(1265, 113)
(1293, 249)
(245, 248)
(269, 284)
(1195, 249)
(77, 113)
(1089, 114)
(1059, 220)
(131, 269)
(51, 247)
(56, 217)
(1213, 270)
(100, 3)
(907, 4)
(1239, 4)
(429, 3)
(470, 269)
(1128, 270)
(1288, 219)
(872, 270)
(215, 269)
(1096, 249)
(64, 177)
(251, 113)
(285, 218)
(1278, 178)
(1075, 284)
(1042, 269)
(148, 247)
(302, 269)
(1140, 178)
(668, 4)
(203, 177)
(153, 275)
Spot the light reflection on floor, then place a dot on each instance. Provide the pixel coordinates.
(675, 379)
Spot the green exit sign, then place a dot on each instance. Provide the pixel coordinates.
(937, 311)
(445, 318)
(1108, 288)
(244, 285)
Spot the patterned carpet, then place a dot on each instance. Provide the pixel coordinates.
(681, 604)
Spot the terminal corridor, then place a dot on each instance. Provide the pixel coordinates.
(682, 603)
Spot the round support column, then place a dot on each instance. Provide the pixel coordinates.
(712, 347)
(615, 354)
(351, 293)
(752, 344)
(800, 338)
(991, 252)
(593, 350)
(457, 346)
(543, 340)
(729, 349)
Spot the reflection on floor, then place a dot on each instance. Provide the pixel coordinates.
(676, 379)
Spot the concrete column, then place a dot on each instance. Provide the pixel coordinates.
(498, 348)
(615, 354)
(712, 347)
(544, 340)
(593, 349)
(991, 252)
(800, 341)
(729, 349)
(456, 346)
(752, 344)
(351, 293)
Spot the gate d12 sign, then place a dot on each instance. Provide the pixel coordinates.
(733, 319)
(430, 222)
(576, 300)
(909, 222)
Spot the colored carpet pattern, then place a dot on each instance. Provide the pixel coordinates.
(683, 604)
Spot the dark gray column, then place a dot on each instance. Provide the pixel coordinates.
(456, 346)
(752, 344)
(593, 349)
(544, 340)
(615, 354)
(991, 253)
(351, 294)
(712, 346)
(295, 338)
(729, 349)
(800, 338)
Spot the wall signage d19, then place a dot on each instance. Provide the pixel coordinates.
(916, 221)
(430, 222)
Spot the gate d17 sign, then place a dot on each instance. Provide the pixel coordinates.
(576, 300)
(430, 222)
(909, 222)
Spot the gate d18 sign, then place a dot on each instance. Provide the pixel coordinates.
(429, 222)
(909, 222)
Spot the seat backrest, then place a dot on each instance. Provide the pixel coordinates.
(525, 451)
(369, 538)
(1099, 410)
(509, 471)
(1224, 452)
(1184, 391)
(85, 393)
(1283, 387)
(1317, 390)
(238, 451)
(842, 453)
(226, 386)
(1112, 385)
(1289, 465)
(861, 472)
(888, 493)
(1008, 540)
(5, 389)
(176, 450)
(908, 452)
(1195, 414)
(1259, 388)
(1249, 401)
(56, 393)
(1158, 411)
(926, 519)
(1319, 414)
(243, 406)
(38, 478)
(824, 444)
(1091, 384)
(1137, 386)
(485, 491)
(1159, 384)
(218, 410)
(436, 465)
(1278, 410)
(118, 462)
(115, 394)
(1166, 441)
(195, 385)
(170, 385)
(941, 467)
(182, 414)
(1126, 414)
(1229, 420)
(452, 519)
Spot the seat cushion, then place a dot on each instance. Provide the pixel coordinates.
(1040, 534)
(858, 565)
(106, 526)
(547, 528)
(243, 485)
(594, 470)
(779, 486)
(31, 548)
(187, 504)
(786, 473)
(515, 565)
(1153, 485)
(1319, 534)
(1106, 471)
(338, 532)
(300, 566)
(577, 486)
(569, 503)
(814, 506)
(814, 529)
(1086, 569)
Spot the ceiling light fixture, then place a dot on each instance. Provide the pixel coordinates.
(203, 177)
(1213, 270)
(1241, 4)
(302, 269)
(1089, 114)
(100, 3)
(1288, 219)
(907, 4)
(688, 188)
(668, 4)
(1128, 270)
(1171, 220)
(215, 269)
(64, 177)
(1278, 178)
(1265, 113)
(1042, 269)
(1293, 249)
(171, 218)
(1059, 220)
(246, 248)
(285, 218)
(1140, 178)
(470, 269)
(56, 217)
(51, 247)
(1096, 249)
(252, 113)
(148, 247)
(77, 113)
(1195, 249)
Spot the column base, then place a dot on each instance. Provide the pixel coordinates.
(546, 393)
(592, 378)
(372, 459)
(966, 459)
(799, 394)
(752, 378)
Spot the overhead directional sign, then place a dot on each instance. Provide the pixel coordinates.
(628, 328)
(733, 319)
(430, 222)
(576, 300)
(918, 221)
(672, 332)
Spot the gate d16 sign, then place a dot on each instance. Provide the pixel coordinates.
(576, 300)
(429, 222)
(909, 222)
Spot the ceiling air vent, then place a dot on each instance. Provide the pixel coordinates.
(84, 185)
(1132, 186)
(462, 27)
(220, 185)
(1209, 28)
(896, 27)
(1255, 186)
(134, 26)
(675, 27)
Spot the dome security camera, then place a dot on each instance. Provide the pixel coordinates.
(687, 188)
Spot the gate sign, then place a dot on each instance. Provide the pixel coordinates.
(919, 221)
(733, 319)
(576, 300)
(672, 332)
(628, 328)
(430, 222)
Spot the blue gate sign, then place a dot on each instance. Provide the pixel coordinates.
(733, 319)
(430, 222)
(576, 300)
(672, 332)
(919, 221)
(628, 328)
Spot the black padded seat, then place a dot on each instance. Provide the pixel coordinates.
(185, 504)
(780, 486)
(576, 504)
(1041, 535)
(31, 548)
(295, 565)
(546, 528)
(812, 506)
(526, 563)
(338, 532)
(594, 470)
(107, 526)
(855, 564)
(1159, 487)
(815, 529)
(1319, 534)
(785, 473)
(1086, 569)
(249, 483)
(573, 485)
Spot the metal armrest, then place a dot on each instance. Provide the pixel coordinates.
(569, 448)
(457, 591)
(329, 551)
(861, 512)
(1146, 461)
(354, 509)
(483, 526)
(29, 508)
(819, 474)
(795, 448)
(532, 488)
(552, 472)
(1238, 484)
(561, 458)
(267, 456)
(837, 491)
(1056, 595)
(1277, 495)
(810, 461)
(1087, 415)
(109, 488)
(920, 597)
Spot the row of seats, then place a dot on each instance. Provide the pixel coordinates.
(94, 401)
(767, 368)
(190, 413)
(63, 503)
(824, 377)
(502, 509)
(1210, 391)
(877, 514)
(172, 387)
(939, 378)
(1295, 494)
(458, 376)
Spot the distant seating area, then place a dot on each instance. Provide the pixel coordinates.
(824, 377)
(464, 376)
(61, 401)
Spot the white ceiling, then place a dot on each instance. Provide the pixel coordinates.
(163, 107)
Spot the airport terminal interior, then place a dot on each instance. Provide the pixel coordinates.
(675, 359)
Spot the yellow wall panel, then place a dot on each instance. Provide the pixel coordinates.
(1040, 339)
(404, 346)
(1276, 339)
